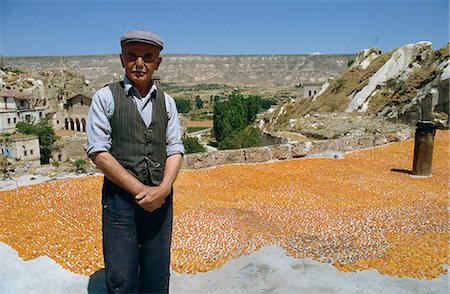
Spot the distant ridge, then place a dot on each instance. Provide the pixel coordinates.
(189, 69)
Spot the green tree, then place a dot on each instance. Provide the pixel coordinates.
(183, 105)
(266, 103)
(192, 145)
(252, 105)
(248, 137)
(214, 99)
(229, 116)
(198, 102)
(44, 130)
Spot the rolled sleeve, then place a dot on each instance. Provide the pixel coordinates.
(173, 132)
(98, 128)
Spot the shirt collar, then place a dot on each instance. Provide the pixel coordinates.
(128, 86)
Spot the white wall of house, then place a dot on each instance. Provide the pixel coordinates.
(25, 148)
(311, 90)
(22, 104)
(14, 110)
(8, 121)
(32, 115)
(7, 103)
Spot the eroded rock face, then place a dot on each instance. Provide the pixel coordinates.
(366, 56)
(400, 66)
(379, 91)
(49, 87)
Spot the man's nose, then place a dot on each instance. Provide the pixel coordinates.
(140, 61)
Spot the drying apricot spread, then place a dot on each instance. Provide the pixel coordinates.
(361, 212)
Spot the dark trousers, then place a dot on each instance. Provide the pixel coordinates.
(136, 243)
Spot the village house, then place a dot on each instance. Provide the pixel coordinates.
(16, 106)
(311, 89)
(73, 116)
(20, 147)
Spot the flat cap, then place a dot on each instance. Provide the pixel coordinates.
(142, 36)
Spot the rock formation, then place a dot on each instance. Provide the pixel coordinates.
(402, 86)
(49, 88)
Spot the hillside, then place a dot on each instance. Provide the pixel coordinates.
(233, 70)
(402, 86)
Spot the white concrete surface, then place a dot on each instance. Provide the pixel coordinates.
(268, 270)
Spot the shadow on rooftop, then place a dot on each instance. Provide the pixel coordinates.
(97, 284)
(399, 170)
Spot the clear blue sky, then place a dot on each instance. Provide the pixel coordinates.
(30, 28)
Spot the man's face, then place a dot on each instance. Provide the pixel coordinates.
(140, 60)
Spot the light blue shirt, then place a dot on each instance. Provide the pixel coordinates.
(98, 128)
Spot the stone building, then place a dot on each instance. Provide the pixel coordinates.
(73, 116)
(21, 147)
(311, 89)
(16, 106)
(70, 147)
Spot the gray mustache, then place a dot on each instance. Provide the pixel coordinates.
(139, 69)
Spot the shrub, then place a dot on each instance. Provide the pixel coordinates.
(266, 103)
(198, 102)
(183, 105)
(192, 145)
(80, 165)
(249, 137)
(350, 62)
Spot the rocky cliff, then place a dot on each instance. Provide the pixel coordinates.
(48, 87)
(405, 85)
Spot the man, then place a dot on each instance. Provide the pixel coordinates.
(134, 137)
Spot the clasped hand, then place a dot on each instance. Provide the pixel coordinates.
(151, 198)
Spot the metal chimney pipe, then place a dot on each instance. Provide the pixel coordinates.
(423, 148)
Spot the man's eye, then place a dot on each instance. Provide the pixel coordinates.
(147, 58)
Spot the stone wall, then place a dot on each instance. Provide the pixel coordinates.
(322, 148)
(70, 147)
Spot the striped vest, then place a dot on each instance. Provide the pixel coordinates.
(141, 150)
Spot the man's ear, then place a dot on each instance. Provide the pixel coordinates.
(121, 60)
(158, 62)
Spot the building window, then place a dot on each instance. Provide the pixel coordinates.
(25, 152)
(57, 122)
(59, 157)
(81, 102)
(31, 152)
(28, 118)
(22, 103)
(9, 120)
(40, 113)
(15, 120)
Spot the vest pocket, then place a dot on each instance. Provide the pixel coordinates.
(156, 174)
